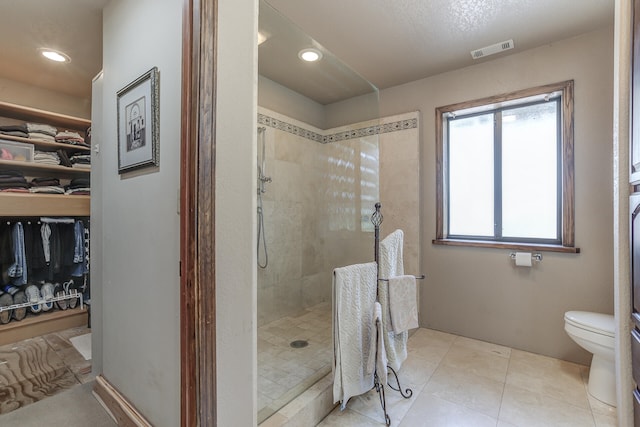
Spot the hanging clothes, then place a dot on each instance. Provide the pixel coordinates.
(18, 270)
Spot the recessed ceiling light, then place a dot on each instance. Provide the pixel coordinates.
(55, 55)
(262, 37)
(310, 55)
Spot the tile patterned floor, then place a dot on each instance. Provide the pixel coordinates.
(284, 372)
(458, 381)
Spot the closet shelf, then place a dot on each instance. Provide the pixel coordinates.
(45, 145)
(42, 323)
(38, 204)
(42, 169)
(29, 114)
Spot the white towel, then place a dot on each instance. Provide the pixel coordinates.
(391, 265)
(381, 354)
(354, 332)
(402, 303)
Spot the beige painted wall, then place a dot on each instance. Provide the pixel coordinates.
(44, 99)
(478, 292)
(276, 97)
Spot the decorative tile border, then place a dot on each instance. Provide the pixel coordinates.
(339, 136)
(288, 127)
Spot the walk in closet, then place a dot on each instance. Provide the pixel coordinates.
(44, 187)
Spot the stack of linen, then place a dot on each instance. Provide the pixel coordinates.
(41, 132)
(46, 157)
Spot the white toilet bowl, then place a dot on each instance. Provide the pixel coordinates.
(595, 333)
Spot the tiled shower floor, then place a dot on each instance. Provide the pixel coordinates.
(284, 371)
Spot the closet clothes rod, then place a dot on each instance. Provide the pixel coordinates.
(420, 277)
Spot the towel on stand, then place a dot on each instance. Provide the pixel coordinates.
(381, 354)
(391, 265)
(403, 305)
(354, 330)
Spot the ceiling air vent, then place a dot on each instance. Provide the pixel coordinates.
(490, 50)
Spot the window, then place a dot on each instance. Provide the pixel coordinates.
(505, 170)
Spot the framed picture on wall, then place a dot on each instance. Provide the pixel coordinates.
(138, 123)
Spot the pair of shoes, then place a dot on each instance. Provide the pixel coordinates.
(46, 291)
(5, 301)
(33, 296)
(70, 289)
(58, 291)
(19, 298)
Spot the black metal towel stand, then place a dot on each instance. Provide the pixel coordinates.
(376, 220)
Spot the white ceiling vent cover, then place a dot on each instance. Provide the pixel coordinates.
(490, 50)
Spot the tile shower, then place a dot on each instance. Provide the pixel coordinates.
(316, 218)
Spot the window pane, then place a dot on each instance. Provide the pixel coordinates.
(530, 172)
(471, 176)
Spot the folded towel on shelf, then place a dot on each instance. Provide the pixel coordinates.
(47, 189)
(69, 137)
(391, 265)
(14, 128)
(42, 128)
(403, 305)
(41, 136)
(354, 332)
(19, 133)
(46, 157)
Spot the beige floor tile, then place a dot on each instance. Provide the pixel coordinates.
(369, 405)
(605, 420)
(524, 408)
(477, 361)
(472, 391)
(495, 349)
(429, 345)
(545, 375)
(598, 407)
(415, 372)
(432, 338)
(429, 411)
(347, 418)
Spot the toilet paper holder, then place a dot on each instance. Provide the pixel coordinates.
(535, 257)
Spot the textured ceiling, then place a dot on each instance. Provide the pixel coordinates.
(395, 42)
(388, 42)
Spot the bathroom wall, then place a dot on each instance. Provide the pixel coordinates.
(479, 293)
(36, 97)
(275, 97)
(317, 209)
(400, 186)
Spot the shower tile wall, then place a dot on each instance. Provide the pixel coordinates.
(400, 186)
(317, 207)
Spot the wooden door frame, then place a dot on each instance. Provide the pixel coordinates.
(197, 237)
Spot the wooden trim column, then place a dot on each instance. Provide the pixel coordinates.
(197, 238)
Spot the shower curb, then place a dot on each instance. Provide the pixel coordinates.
(308, 409)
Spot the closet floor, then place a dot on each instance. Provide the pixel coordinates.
(285, 371)
(39, 367)
(458, 381)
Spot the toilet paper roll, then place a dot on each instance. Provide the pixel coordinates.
(523, 259)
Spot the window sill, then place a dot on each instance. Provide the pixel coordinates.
(506, 245)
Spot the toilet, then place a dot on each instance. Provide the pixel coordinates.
(595, 333)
